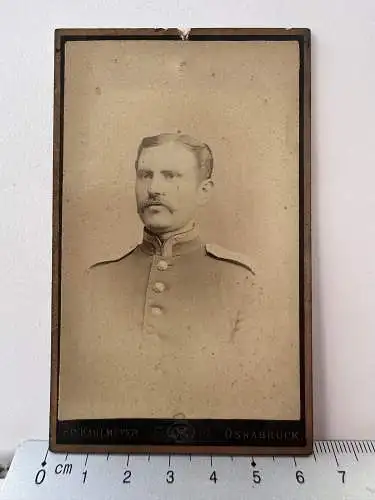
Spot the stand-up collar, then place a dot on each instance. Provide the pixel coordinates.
(177, 244)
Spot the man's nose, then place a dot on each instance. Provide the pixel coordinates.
(156, 185)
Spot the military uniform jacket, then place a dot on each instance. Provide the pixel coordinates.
(163, 331)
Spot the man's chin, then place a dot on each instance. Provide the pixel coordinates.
(159, 231)
(156, 226)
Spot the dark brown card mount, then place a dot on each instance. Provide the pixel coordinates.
(184, 435)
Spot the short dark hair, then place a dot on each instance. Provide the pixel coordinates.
(201, 150)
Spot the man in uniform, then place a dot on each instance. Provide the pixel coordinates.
(165, 330)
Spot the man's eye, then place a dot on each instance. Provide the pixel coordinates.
(143, 174)
(170, 175)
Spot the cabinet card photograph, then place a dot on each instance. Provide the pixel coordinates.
(181, 294)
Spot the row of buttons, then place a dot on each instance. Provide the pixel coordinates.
(159, 287)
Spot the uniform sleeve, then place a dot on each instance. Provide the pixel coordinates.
(248, 316)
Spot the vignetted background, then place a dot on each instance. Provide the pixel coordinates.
(241, 98)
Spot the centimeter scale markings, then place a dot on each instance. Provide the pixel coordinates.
(336, 470)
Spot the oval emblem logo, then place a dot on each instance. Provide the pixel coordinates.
(181, 432)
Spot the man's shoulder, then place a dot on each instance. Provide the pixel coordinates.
(118, 260)
(222, 254)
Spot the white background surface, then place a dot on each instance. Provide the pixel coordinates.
(343, 193)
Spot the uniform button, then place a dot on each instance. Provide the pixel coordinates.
(156, 311)
(162, 265)
(158, 287)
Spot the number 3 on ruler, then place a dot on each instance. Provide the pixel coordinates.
(170, 477)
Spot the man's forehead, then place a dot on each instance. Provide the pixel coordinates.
(171, 153)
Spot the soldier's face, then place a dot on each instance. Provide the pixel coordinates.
(168, 187)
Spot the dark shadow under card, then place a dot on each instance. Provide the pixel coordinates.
(181, 295)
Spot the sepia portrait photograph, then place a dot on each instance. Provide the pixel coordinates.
(181, 295)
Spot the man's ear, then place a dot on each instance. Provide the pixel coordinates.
(205, 190)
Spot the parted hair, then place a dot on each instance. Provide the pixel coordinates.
(201, 150)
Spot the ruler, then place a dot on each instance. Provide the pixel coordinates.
(336, 470)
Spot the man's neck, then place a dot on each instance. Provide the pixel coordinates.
(165, 236)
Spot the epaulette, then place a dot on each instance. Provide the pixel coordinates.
(102, 263)
(221, 253)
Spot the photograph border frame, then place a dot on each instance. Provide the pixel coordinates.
(245, 437)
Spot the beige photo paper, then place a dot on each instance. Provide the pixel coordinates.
(180, 230)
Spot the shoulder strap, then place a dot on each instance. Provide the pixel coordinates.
(102, 263)
(221, 253)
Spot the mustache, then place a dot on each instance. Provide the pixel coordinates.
(155, 202)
